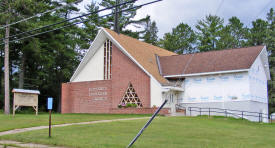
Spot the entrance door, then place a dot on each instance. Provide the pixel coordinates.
(172, 101)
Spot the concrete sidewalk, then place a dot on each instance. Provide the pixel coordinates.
(15, 144)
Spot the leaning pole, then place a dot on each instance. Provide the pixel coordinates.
(146, 125)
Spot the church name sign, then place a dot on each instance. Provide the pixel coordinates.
(98, 93)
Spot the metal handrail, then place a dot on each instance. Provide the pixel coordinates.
(180, 107)
(226, 109)
(227, 112)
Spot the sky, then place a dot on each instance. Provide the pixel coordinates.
(169, 13)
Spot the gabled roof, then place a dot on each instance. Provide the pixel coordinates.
(212, 61)
(143, 53)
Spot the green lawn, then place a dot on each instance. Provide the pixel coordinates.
(164, 132)
(8, 122)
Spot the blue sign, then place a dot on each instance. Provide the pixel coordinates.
(50, 103)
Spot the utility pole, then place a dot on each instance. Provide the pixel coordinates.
(6, 64)
(116, 26)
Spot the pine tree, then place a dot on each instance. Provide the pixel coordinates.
(233, 35)
(258, 33)
(48, 59)
(125, 18)
(150, 35)
(270, 43)
(181, 40)
(209, 30)
(91, 27)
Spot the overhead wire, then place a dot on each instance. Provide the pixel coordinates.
(219, 7)
(260, 12)
(66, 20)
(76, 23)
(36, 15)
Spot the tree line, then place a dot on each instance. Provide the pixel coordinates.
(45, 61)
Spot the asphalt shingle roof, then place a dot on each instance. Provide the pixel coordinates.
(212, 61)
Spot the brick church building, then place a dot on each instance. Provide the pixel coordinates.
(118, 70)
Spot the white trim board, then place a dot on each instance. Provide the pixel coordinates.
(207, 73)
(215, 101)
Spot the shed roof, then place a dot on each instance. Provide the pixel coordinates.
(15, 90)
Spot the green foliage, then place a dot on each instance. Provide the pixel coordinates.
(134, 105)
(258, 32)
(209, 30)
(124, 18)
(131, 33)
(50, 58)
(131, 105)
(181, 40)
(150, 35)
(91, 26)
(270, 42)
(233, 35)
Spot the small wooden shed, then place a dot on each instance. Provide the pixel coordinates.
(24, 97)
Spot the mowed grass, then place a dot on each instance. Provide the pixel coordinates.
(164, 132)
(8, 122)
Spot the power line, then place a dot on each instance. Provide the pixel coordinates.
(263, 9)
(219, 7)
(37, 15)
(66, 20)
(82, 21)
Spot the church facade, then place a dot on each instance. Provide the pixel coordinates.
(119, 70)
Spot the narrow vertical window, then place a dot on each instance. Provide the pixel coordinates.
(107, 60)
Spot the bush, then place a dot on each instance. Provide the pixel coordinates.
(134, 105)
(119, 106)
(131, 105)
(128, 105)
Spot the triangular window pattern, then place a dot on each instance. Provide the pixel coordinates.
(131, 96)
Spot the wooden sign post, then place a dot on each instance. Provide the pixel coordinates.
(50, 107)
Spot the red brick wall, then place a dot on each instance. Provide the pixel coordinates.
(86, 97)
(66, 105)
(124, 71)
(78, 98)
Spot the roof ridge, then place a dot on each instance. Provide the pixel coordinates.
(226, 49)
(140, 41)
